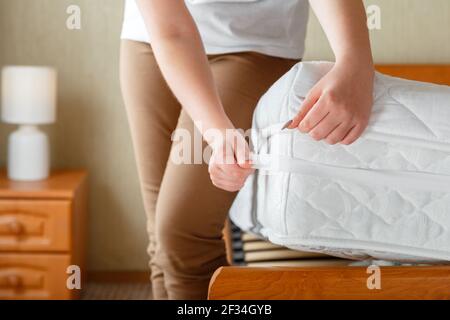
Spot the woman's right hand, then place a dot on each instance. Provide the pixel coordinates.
(230, 165)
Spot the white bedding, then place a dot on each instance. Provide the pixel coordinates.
(387, 196)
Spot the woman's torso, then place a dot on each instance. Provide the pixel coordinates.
(272, 27)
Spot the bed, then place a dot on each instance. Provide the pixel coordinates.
(335, 281)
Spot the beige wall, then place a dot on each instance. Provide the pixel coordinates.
(413, 31)
(92, 132)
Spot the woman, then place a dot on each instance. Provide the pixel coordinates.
(208, 64)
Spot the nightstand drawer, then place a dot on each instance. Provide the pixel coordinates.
(35, 225)
(34, 276)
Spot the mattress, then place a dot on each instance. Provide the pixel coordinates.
(387, 196)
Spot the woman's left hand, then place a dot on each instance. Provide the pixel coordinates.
(338, 107)
(230, 165)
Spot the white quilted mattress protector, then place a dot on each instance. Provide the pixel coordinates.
(387, 196)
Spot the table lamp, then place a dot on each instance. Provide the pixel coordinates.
(28, 100)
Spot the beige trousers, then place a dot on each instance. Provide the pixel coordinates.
(185, 212)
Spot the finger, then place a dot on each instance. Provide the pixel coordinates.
(338, 134)
(236, 172)
(314, 117)
(324, 128)
(246, 165)
(226, 184)
(242, 152)
(229, 178)
(350, 137)
(231, 187)
(353, 135)
(226, 188)
(307, 104)
(230, 170)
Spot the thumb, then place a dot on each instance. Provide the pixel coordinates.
(246, 165)
(307, 105)
(242, 153)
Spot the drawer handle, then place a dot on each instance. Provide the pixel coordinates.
(15, 227)
(12, 281)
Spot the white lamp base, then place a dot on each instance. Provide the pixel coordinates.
(28, 154)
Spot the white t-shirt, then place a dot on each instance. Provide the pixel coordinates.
(272, 27)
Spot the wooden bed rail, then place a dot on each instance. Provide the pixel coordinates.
(329, 283)
(439, 74)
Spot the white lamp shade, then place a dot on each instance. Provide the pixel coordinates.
(29, 95)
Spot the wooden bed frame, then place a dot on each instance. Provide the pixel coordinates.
(405, 282)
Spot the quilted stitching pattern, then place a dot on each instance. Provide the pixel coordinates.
(409, 132)
(370, 154)
(368, 214)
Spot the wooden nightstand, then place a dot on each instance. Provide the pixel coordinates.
(42, 233)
